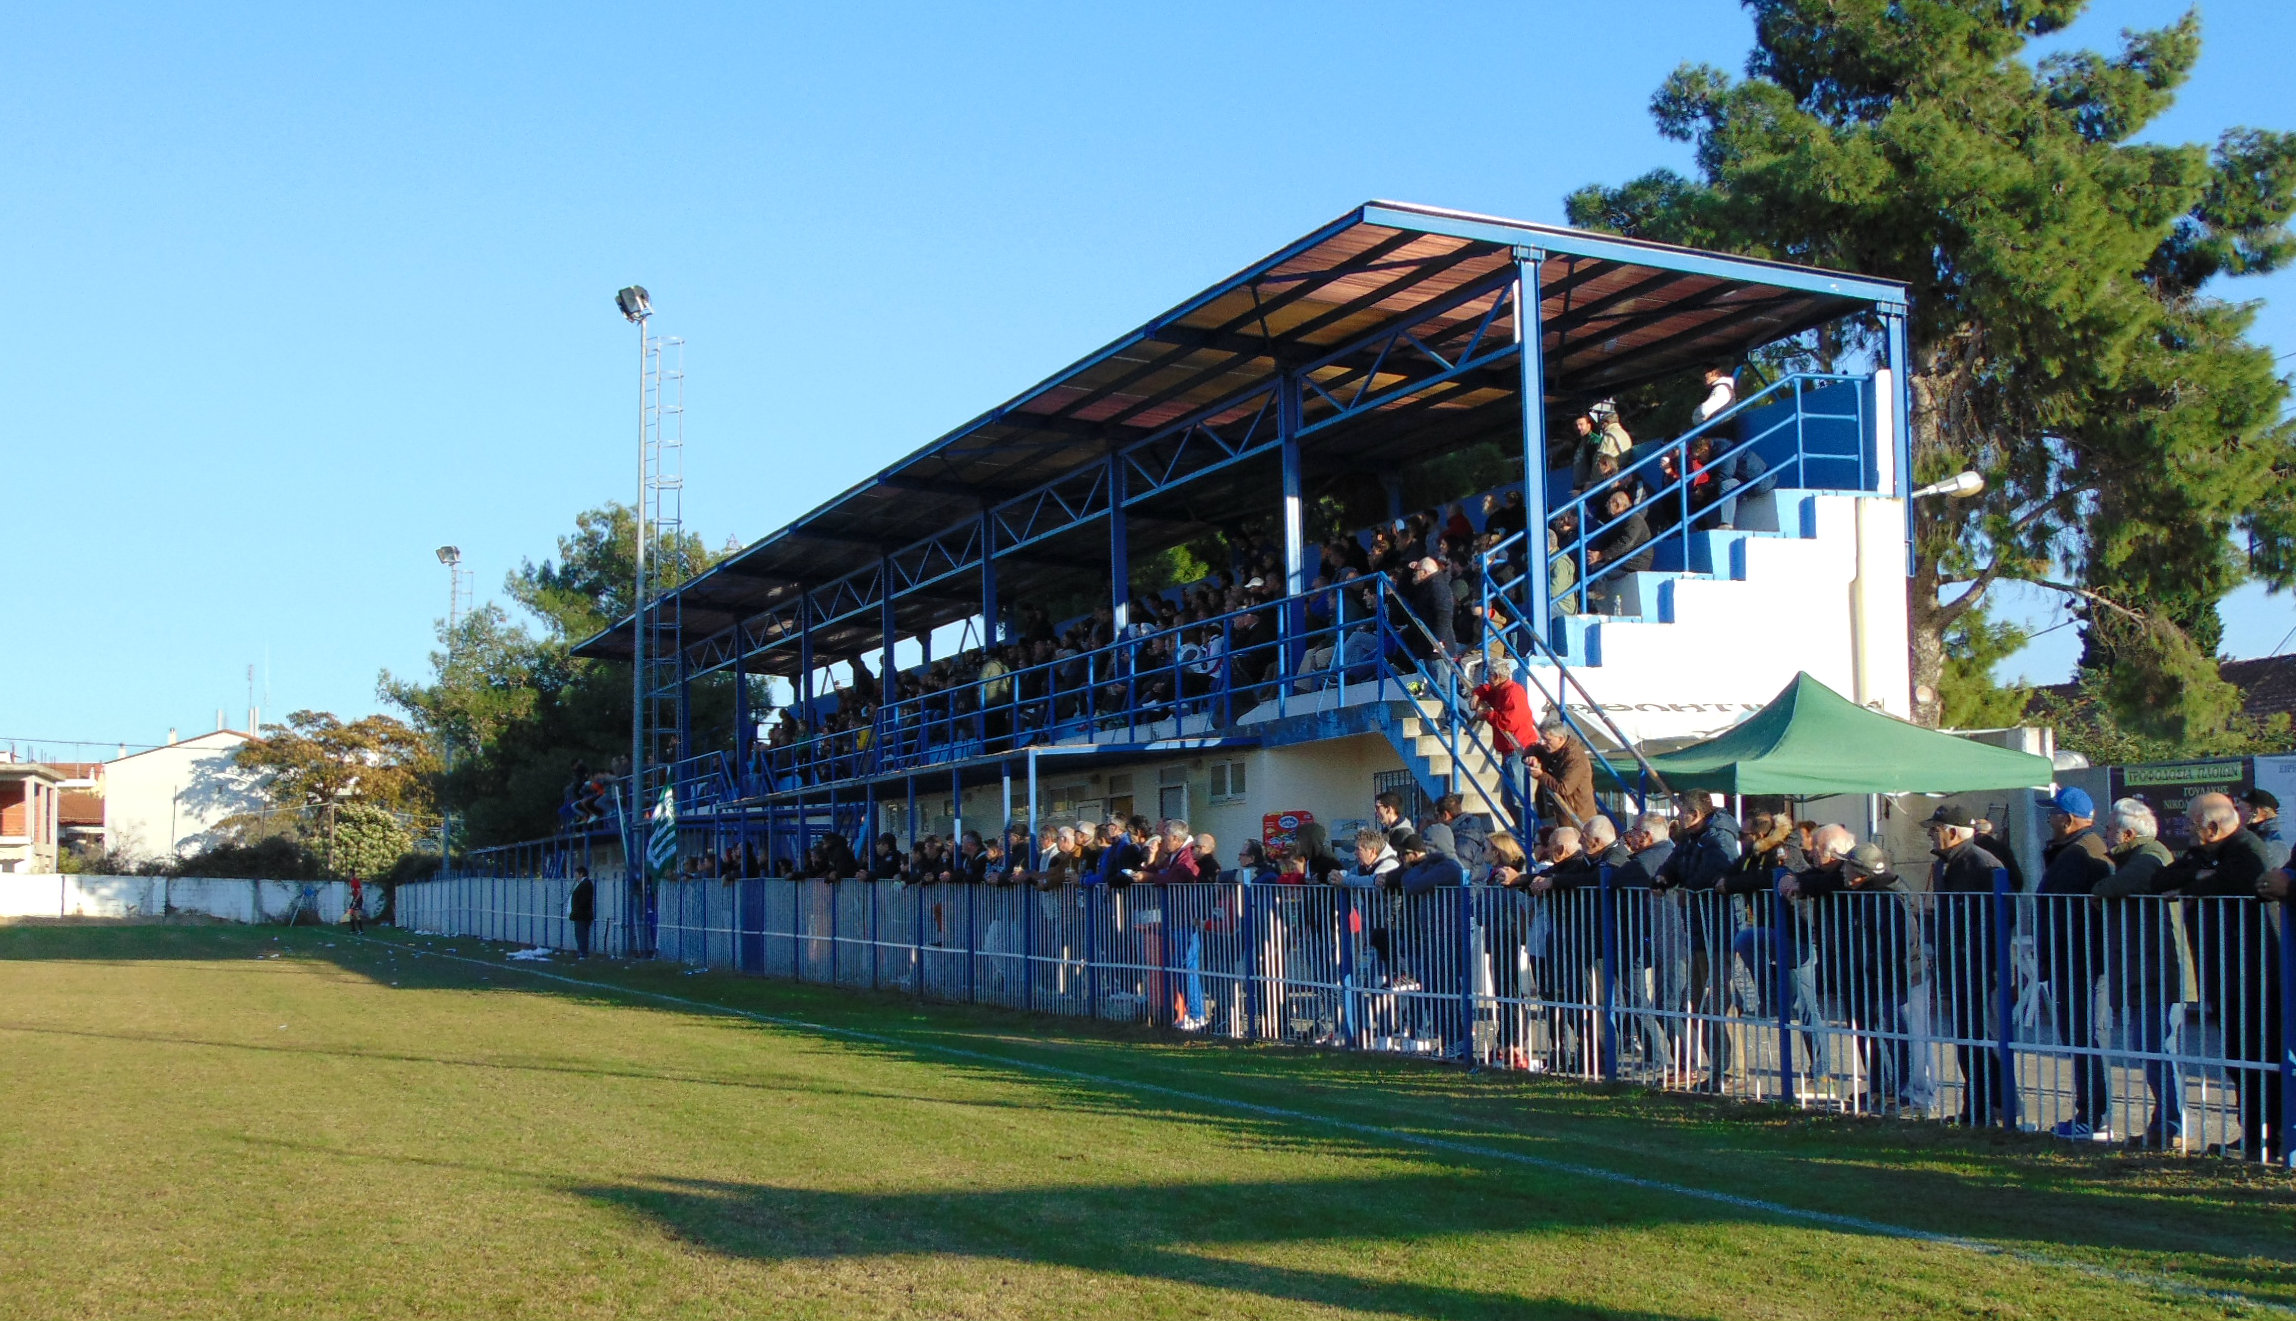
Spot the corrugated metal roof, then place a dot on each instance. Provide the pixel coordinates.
(1615, 312)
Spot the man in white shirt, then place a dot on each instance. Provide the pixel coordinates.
(1721, 392)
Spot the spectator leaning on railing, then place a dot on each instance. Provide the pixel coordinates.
(2260, 808)
(2074, 860)
(1963, 938)
(2140, 948)
(2233, 951)
(1565, 775)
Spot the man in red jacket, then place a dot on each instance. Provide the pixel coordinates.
(1506, 708)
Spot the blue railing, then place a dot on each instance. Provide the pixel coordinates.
(1810, 430)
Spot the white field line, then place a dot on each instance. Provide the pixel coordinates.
(1781, 1210)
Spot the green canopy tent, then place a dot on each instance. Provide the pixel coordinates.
(1811, 741)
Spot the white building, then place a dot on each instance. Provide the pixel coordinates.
(167, 801)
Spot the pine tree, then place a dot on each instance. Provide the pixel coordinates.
(2066, 341)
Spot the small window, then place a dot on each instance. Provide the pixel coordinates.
(1172, 802)
(1228, 782)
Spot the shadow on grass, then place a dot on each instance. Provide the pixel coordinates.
(2209, 1222)
(1194, 1233)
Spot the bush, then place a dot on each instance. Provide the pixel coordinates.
(275, 858)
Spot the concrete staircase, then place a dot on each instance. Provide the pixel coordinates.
(1722, 621)
(1416, 730)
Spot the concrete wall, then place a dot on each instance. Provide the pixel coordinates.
(151, 896)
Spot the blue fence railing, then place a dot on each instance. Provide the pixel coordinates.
(2154, 1020)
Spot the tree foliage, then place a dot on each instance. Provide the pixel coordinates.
(518, 708)
(315, 760)
(2067, 341)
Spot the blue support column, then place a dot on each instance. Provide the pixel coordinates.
(804, 683)
(887, 627)
(741, 722)
(1294, 621)
(1119, 546)
(1393, 485)
(1899, 350)
(1533, 385)
(992, 633)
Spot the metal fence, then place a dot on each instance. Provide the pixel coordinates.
(2155, 1020)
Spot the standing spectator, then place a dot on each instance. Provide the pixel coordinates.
(1706, 852)
(2233, 957)
(1374, 858)
(1387, 810)
(2260, 809)
(1124, 859)
(1652, 951)
(2140, 953)
(355, 912)
(1435, 607)
(1721, 392)
(1505, 706)
(1963, 939)
(2073, 861)
(1311, 844)
(1621, 546)
(581, 910)
(1857, 915)
(1565, 775)
(1471, 838)
(1252, 864)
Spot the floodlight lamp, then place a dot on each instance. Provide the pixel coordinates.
(450, 555)
(1960, 486)
(633, 303)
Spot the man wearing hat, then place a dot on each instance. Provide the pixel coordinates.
(1856, 913)
(2260, 810)
(2067, 953)
(1962, 935)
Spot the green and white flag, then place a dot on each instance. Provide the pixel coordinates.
(662, 843)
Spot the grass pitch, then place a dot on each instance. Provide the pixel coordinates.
(223, 1121)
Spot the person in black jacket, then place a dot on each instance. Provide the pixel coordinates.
(2227, 879)
(582, 910)
(2142, 976)
(1435, 607)
(2073, 861)
(1620, 547)
(1706, 849)
(1854, 908)
(1963, 937)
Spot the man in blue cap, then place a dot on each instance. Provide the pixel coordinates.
(2069, 953)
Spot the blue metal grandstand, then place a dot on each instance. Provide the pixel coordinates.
(1386, 342)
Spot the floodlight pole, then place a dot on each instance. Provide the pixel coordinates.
(638, 629)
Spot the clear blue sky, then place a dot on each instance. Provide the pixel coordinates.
(301, 293)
